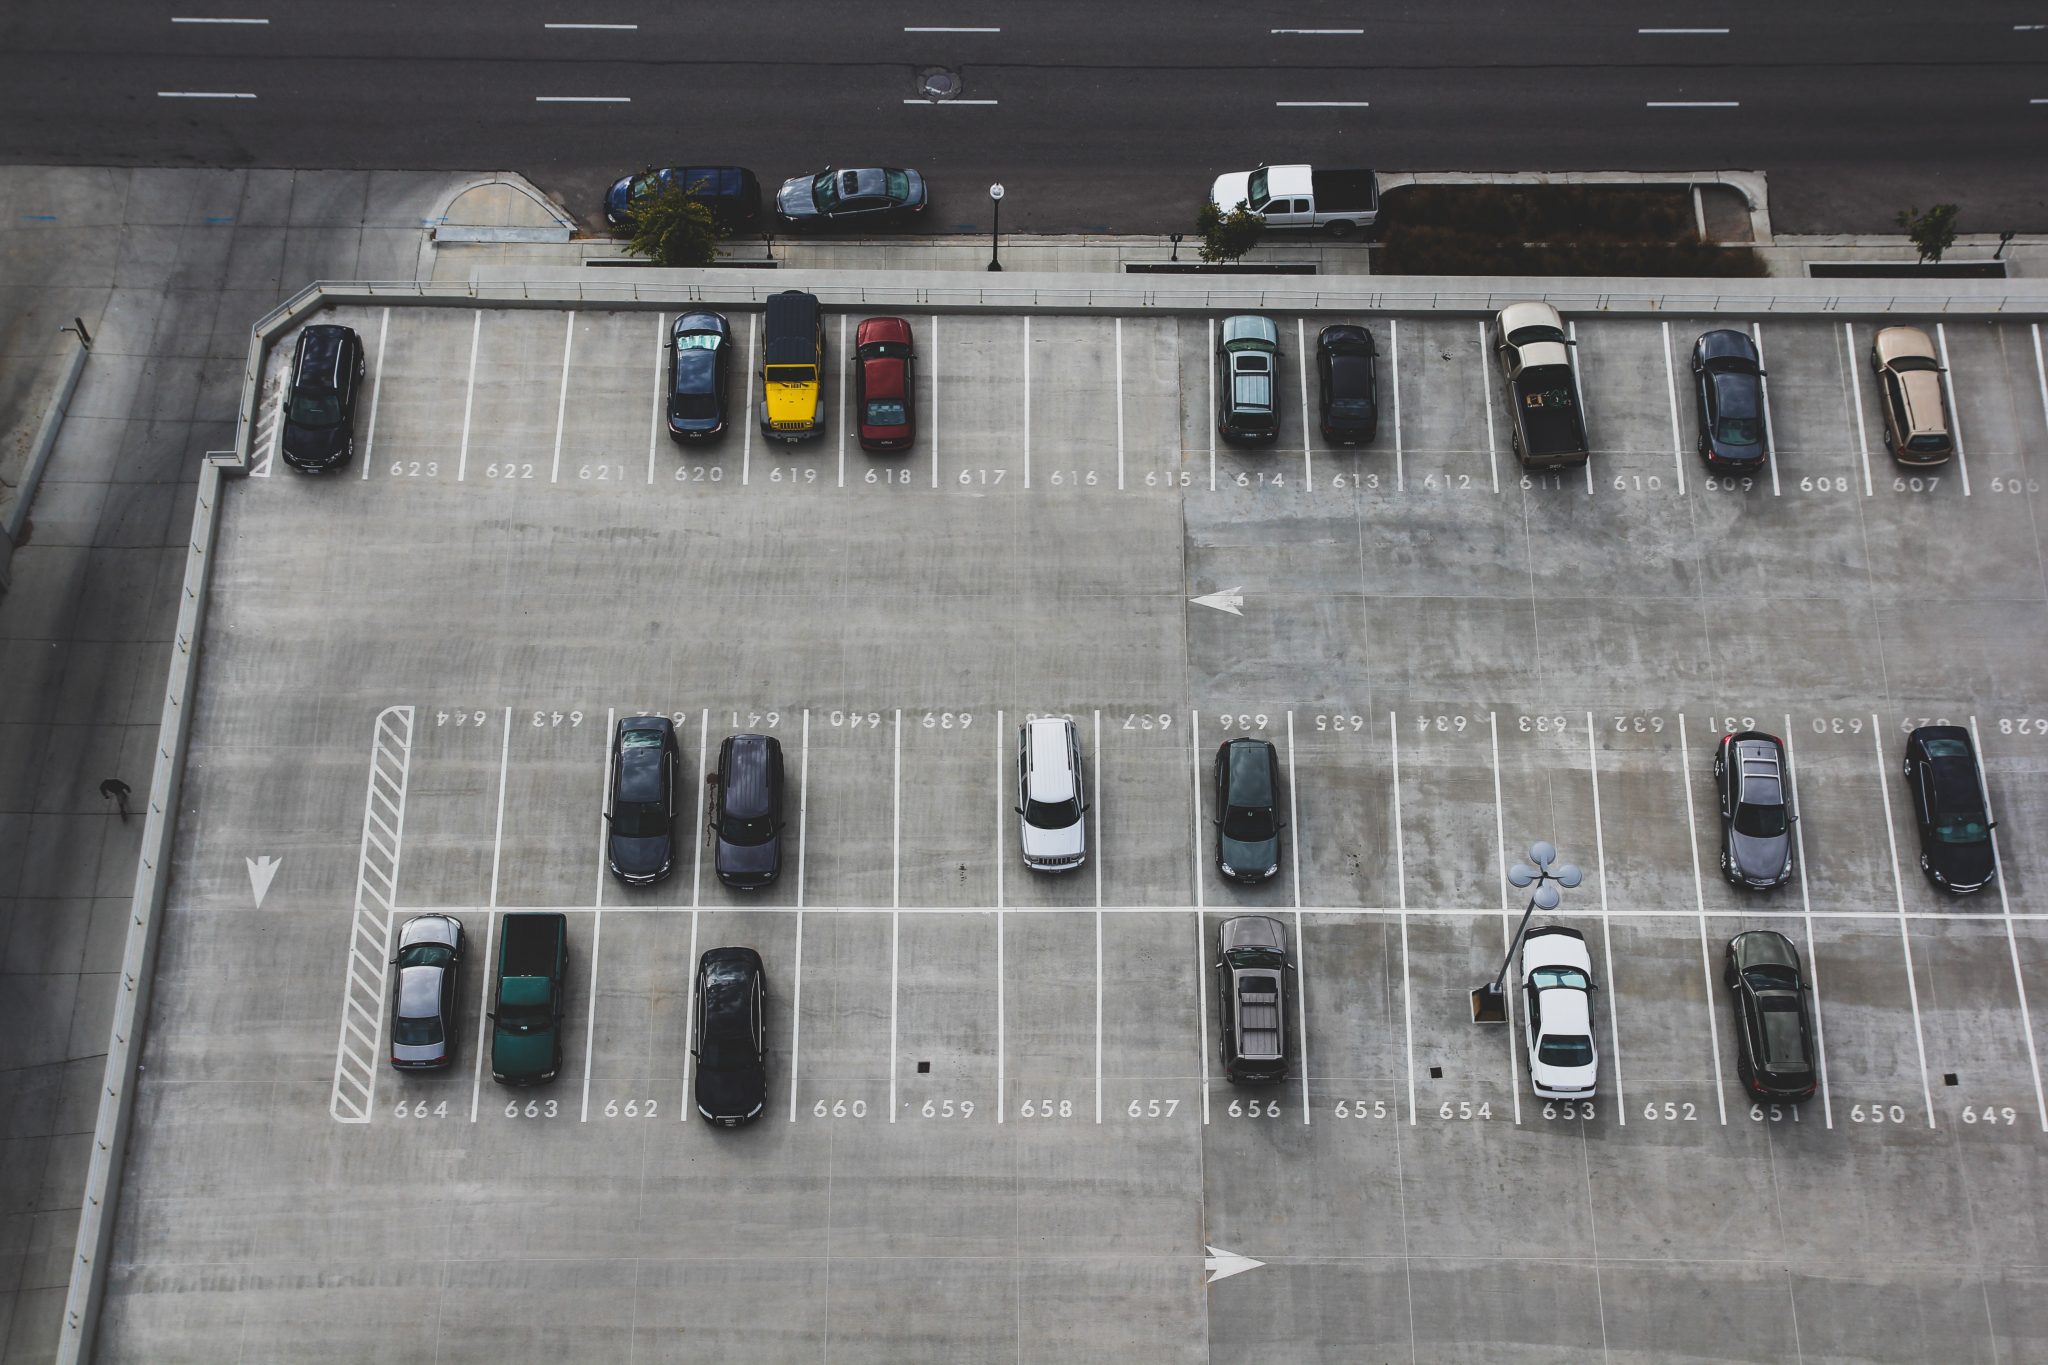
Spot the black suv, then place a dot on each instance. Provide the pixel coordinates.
(1252, 997)
(746, 811)
(640, 839)
(1756, 810)
(1247, 810)
(732, 1036)
(699, 375)
(1773, 1028)
(1947, 793)
(320, 408)
(1347, 369)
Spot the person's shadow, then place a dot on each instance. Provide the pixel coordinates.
(116, 790)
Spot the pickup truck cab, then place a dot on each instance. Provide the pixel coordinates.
(526, 999)
(1339, 202)
(793, 368)
(1543, 389)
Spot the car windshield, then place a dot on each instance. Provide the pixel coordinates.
(899, 185)
(415, 1032)
(698, 341)
(1255, 191)
(825, 190)
(1569, 977)
(1738, 431)
(1052, 814)
(747, 832)
(1760, 822)
(426, 955)
(1248, 824)
(886, 412)
(1256, 957)
(639, 820)
(315, 408)
(1963, 829)
(1566, 1049)
(1529, 336)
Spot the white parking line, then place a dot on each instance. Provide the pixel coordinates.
(1486, 403)
(895, 905)
(1699, 894)
(1571, 331)
(608, 28)
(562, 405)
(377, 385)
(1209, 420)
(476, 333)
(1394, 359)
(843, 386)
(491, 922)
(1671, 393)
(1195, 846)
(796, 1008)
(2012, 946)
(747, 426)
(684, 1107)
(219, 21)
(498, 832)
(1955, 416)
(654, 420)
(1002, 1005)
(1891, 838)
(1606, 926)
(1401, 888)
(604, 797)
(1119, 405)
(933, 369)
(1027, 400)
(1095, 801)
(1308, 469)
(1300, 939)
(1507, 933)
(1820, 1035)
(2040, 375)
(697, 831)
(374, 917)
(1856, 403)
(1756, 334)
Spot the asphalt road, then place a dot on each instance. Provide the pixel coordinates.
(1104, 118)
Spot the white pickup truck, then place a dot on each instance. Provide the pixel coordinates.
(1341, 202)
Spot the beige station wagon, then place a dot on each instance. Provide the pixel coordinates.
(1909, 391)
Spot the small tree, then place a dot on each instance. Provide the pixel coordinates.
(1227, 236)
(671, 228)
(1933, 232)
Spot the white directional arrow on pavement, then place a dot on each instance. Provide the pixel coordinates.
(1230, 600)
(261, 872)
(1221, 1265)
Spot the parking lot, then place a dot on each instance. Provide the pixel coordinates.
(996, 1128)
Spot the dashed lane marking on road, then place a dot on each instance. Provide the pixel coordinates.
(204, 95)
(582, 99)
(607, 28)
(1692, 104)
(359, 1046)
(179, 19)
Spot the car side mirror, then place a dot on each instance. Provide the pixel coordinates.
(1993, 825)
(491, 1015)
(607, 817)
(1087, 806)
(1018, 809)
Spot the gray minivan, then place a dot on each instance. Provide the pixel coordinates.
(746, 811)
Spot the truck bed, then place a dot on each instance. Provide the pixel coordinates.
(1345, 191)
(1547, 410)
(532, 945)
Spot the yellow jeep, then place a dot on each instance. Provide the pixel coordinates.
(793, 368)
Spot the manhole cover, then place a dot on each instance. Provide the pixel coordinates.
(937, 83)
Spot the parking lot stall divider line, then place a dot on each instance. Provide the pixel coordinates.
(1571, 330)
(374, 917)
(1095, 800)
(1955, 415)
(1209, 364)
(596, 900)
(1002, 809)
(1201, 954)
(1891, 838)
(654, 422)
(273, 446)
(1486, 405)
(2040, 372)
(1699, 894)
(932, 375)
(1394, 360)
(1507, 944)
(376, 387)
(843, 386)
(689, 1024)
(698, 839)
(1308, 469)
(1401, 889)
(1671, 393)
(1600, 865)
(1756, 334)
(1119, 411)
(747, 427)
(1027, 400)
(2011, 944)
(1856, 403)
(1820, 1033)
(562, 403)
(796, 1007)
(896, 905)
(498, 828)
(476, 336)
(1300, 939)
(483, 1016)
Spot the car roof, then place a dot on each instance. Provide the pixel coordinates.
(881, 329)
(747, 766)
(1249, 327)
(1051, 776)
(1726, 344)
(883, 376)
(1248, 777)
(1922, 390)
(1892, 343)
(1516, 316)
(419, 992)
(792, 323)
(1566, 1009)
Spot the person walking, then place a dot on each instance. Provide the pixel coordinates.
(116, 790)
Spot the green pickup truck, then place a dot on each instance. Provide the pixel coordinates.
(526, 1013)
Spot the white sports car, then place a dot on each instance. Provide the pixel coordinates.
(1557, 989)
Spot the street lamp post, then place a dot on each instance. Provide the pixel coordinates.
(995, 198)
(1490, 1002)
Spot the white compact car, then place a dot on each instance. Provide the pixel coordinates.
(1054, 825)
(1557, 989)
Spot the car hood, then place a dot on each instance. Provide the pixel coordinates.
(1255, 856)
(794, 199)
(1759, 859)
(1964, 864)
(641, 857)
(522, 1054)
(314, 443)
(731, 1094)
(615, 197)
(749, 861)
(1055, 843)
(1230, 190)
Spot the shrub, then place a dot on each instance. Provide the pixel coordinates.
(1227, 236)
(670, 228)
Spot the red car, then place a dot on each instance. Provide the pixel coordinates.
(884, 372)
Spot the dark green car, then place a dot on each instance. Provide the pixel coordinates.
(1248, 380)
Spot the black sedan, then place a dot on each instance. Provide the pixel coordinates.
(732, 1036)
(640, 838)
(699, 375)
(1348, 371)
(1774, 1050)
(1728, 391)
(881, 196)
(1247, 810)
(429, 972)
(1947, 792)
(1756, 810)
